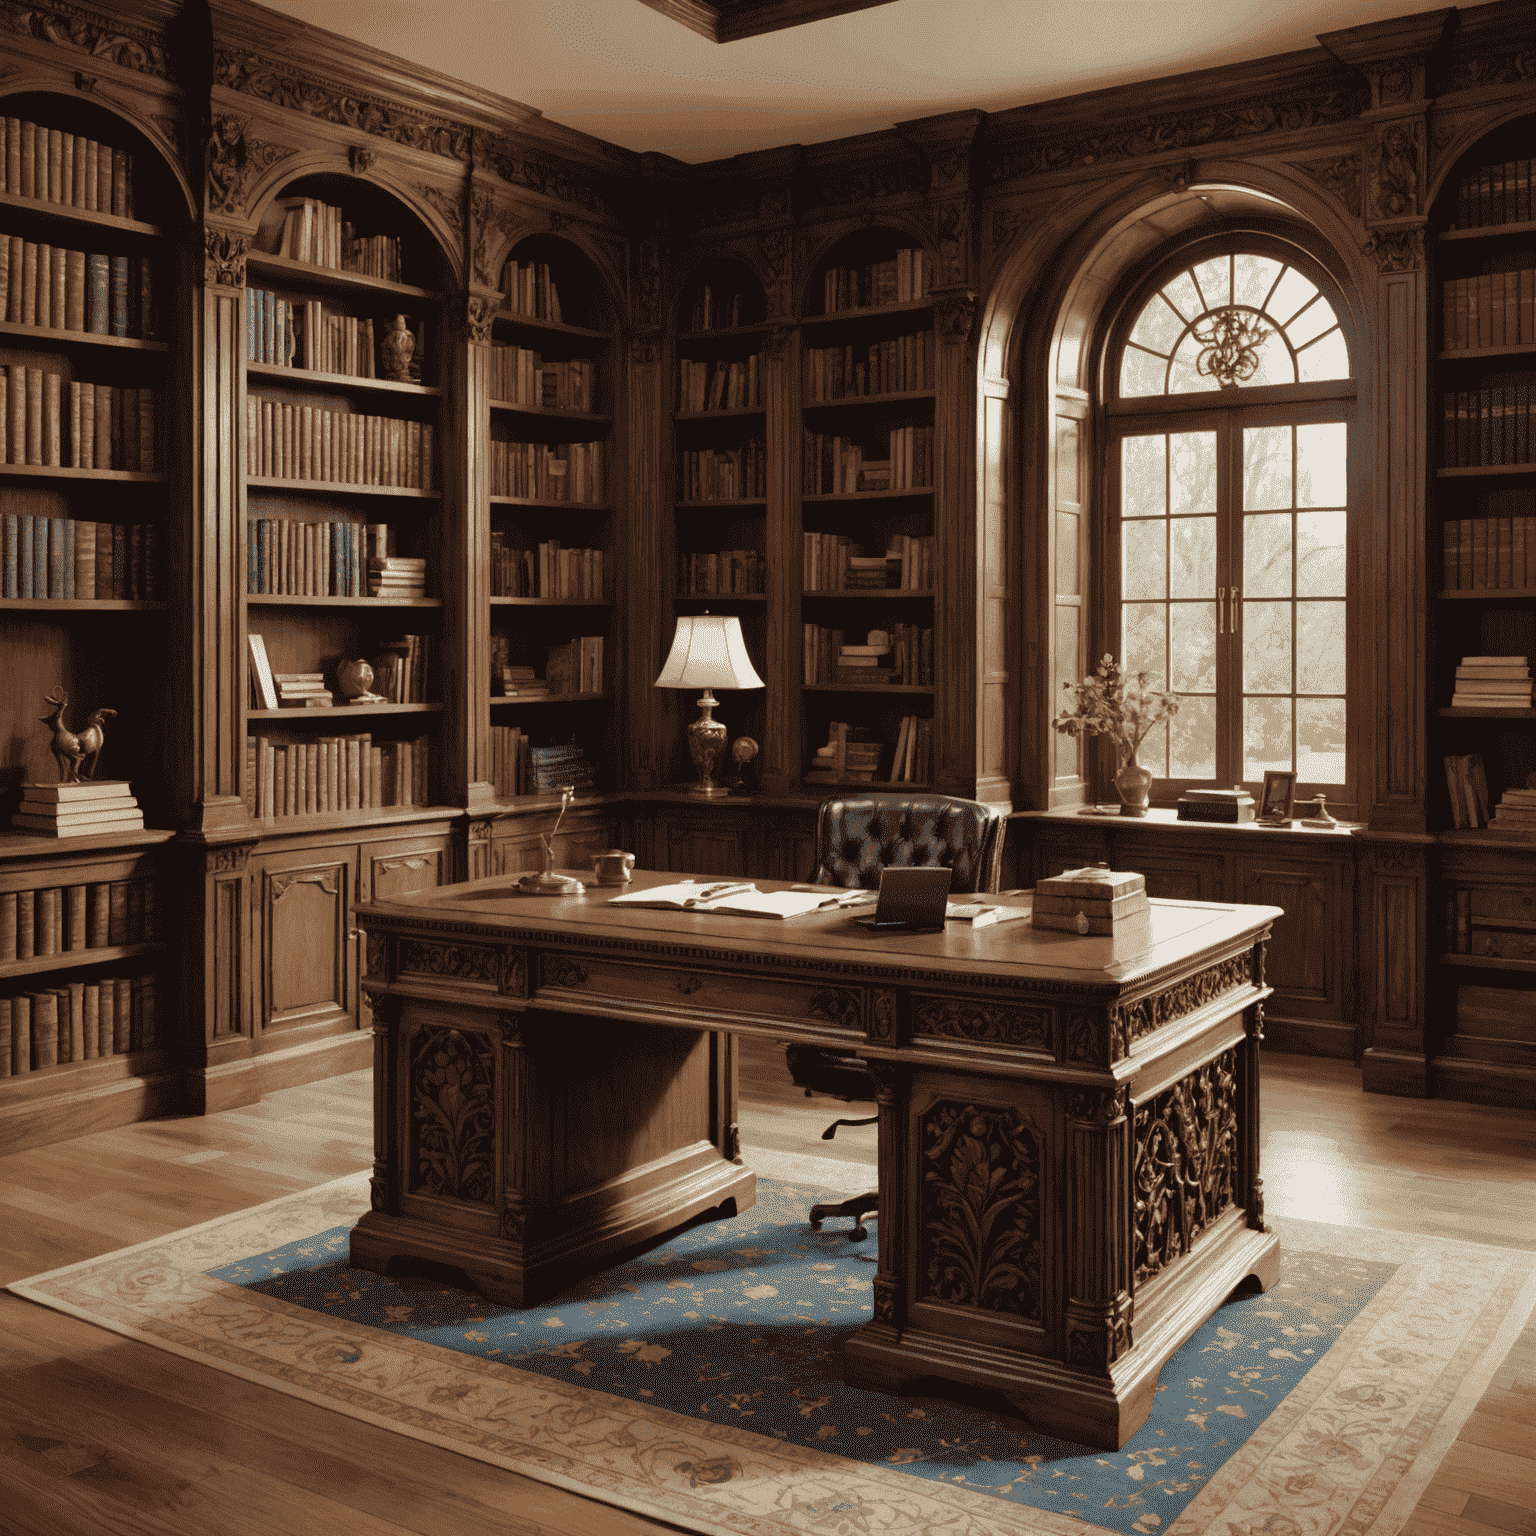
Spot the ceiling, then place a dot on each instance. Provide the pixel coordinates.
(628, 74)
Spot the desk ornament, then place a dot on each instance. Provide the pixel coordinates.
(548, 883)
(355, 680)
(79, 804)
(743, 750)
(1321, 817)
(1093, 900)
(612, 867)
(1119, 705)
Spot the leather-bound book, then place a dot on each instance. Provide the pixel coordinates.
(58, 283)
(75, 934)
(122, 1014)
(76, 991)
(53, 423)
(21, 1034)
(104, 570)
(74, 290)
(5, 1037)
(118, 323)
(91, 1021)
(100, 912)
(28, 160)
(28, 315)
(98, 314)
(45, 1030)
(7, 926)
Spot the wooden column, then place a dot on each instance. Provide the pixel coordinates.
(781, 751)
(638, 565)
(1098, 1318)
(1392, 897)
(892, 1083)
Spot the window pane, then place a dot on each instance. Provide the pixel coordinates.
(1144, 641)
(1266, 736)
(1325, 359)
(1184, 296)
(1266, 647)
(1143, 558)
(1253, 277)
(1192, 557)
(1293, 291)
(1184, 378)
(1316, 318)
(1192, 645)
(1320, 647)
(1144, 476)
(1274, 362)
(1153, 751)
(1158, 326)
(1215, 279)
(1320, 741)
(1141, 373)
(1194, 472)
(1192, 748)
(1267, 555)
(1320, 554)
(1266, 468)
(1321, 451)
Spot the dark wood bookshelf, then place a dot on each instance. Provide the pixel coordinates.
(54, 336)
(83, 604)
(44, 209)
(341, 712)
(283, 600)
(338, 488)
(280, 373)
(69, 472)
(305, 274)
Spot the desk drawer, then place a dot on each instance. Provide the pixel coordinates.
(713, 992)
(1502, 903)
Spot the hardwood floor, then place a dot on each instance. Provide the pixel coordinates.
(100, 1435)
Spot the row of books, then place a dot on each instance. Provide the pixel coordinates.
(531, 291)
(1467, 783)
(720, 386)
(854, 754)
(59, 557)
(334, 773)
(892, 366)
(315, 232)
(724, 474)
(56, 1026)
(67, 919)
(511, 761)
(105, 427)
(397, 576)
(548, 570)
(307, 335)
(522, 377)
(1492, 682)
(308, 442)
(87, 292)
(1494, 194)
(570, 472)
(711, 311)
(907, 277)
(1495, 309)
(707, 574)
(836, 466)
(67, 168)
(1491, 425)
(1489, 553)
(298, 557)
(400, 669)
(903, 654)
(912, 655)
(831, 562)
(551, 767)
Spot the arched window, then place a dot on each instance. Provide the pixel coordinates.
(1229, 446)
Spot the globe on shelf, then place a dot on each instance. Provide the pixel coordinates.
(356, 682)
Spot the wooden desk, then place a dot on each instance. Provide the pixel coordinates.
(1069, 1127)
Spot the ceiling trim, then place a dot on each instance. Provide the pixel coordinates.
(726, 21)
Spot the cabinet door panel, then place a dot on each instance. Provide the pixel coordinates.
(1174, 876)
(396, 870)
(303, 909)
(1311, 948)
(706, 850)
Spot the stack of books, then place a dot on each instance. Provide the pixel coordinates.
(1516, 812)
(849, 755)
(1092, 900)
(866, 573)
(1232, 805)
(550, 767)
(397, 576)
(302, 690)
(858, 665)
(1468, 788)
(78, 810)
(520, 683)
(1492, 682)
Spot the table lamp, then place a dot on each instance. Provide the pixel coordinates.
(708, 652)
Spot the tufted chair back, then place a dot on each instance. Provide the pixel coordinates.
(858, 836)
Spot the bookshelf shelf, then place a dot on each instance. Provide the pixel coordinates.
(82, 216)
(868, 312)
(550, 602)
(68, 472)
(82, 605)
(1473, 471)
(282, 600)
(88, 1077)
(347, 821)
(305, 274)
(1490, 231)
(1449, 712)
(1486, 595)
(563, 506)
(1471, 354)
(555, 328)
(552, 413)
(1487, 962)
(548, 698)
(737, 413)
(76, 959)
(722, 597)
(874, 594)
(859, 402)
(53, 336)
(921, 490)
(340, 712)
(335, 488)
(878, 688)
(742, 502)
(722, 333)
(307, 378)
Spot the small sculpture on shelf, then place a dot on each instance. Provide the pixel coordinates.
(547, 882)
(355, 679)
(397, 349)
(70, 750)
(743, 750)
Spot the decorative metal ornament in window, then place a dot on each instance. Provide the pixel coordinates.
(1230, 340)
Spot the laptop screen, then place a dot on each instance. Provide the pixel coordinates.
(914, 897)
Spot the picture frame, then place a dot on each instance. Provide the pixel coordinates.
(1279, 795)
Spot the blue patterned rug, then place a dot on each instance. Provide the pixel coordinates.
(742, 1322)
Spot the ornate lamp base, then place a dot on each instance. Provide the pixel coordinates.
(550, 884)
(706, 741)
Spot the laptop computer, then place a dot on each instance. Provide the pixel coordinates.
(911, 901)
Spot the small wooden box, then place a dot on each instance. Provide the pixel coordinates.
(1091, 901)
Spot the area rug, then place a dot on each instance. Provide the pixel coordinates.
(701, 1383)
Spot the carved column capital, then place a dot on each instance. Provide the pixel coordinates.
(478, 313)
(777, 340)
(361, 159)
(233, 157)
(955, 316)
(224, 253)
(1395, 164)
(1397, 250)
(1097, 1109)
(1098, 1334)
(645, 348)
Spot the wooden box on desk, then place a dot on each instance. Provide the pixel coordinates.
(1091, 900)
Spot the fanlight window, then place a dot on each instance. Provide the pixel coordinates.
(1229, 322)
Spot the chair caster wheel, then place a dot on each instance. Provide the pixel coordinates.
(858, 1234)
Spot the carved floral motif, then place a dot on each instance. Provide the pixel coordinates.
(478, 314)
(1090, 1107)
(538, 173)
(986, 1023)
(1148, 1013)
(513, 1223)
(1396, 250)
(1007, 222)
(361, 159)
(73, 26)
(1500, 66)
(1098, 1336)
(1394, 170)
(486, 215)
(466, 962)
(1094, 1040)
(452, 1118)
(1336, 174)
(448, 204)
(561, 971)
(882, 1015)
(955, 317)
(885, 1300)
(838, 1006)
(218, 861)
(232, 159)
(1184, 1163)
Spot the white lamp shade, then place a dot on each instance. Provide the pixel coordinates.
(708, 652)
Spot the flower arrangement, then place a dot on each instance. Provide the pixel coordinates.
(1116, 704)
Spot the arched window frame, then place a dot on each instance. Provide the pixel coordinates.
(1227, 412)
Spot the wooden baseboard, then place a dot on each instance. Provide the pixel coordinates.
(1395, 1072)
(236, 1083)
(41, 1121)
(1308, 1037)
(1483, 1082)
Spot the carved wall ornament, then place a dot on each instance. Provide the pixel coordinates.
(955, 316)
(951, 229)
(557, 222)
(1094, 1039)
(1092, 1107)
(1387, 859)
(514, 973)
(1391, 84)
(1007, 222)
(361, 159)
(648, 285)
(837, 1005)
(1337, 174)
(777, 340)
(324, 878)
(466, 962)
(478, 313)
(690, 983)
(376, 956)
(521, 167)
(513, 1223)
(85, 82)
(453, 1131)
(883, 1014)
(1148, 1013)
(1396, 250)
(986, 1023)
(561, 971)
(1499, 66)
(511, 1028)
(486, 215)
(73, 26)
(979, 1208)
(285, 86)
(233, 158)
(645, 348)
(1229, 339)
(448, 204)
(1394, 169)
(218, 861)
(774, 246)
(480, 831)
(1177, 177)
(1097, 1336)
(170, 130)
(885, 1300)
(866, 183)
(1184, 1163)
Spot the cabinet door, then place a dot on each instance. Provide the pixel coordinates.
(403, 867)
(308, 973)
(518, 849)
(1311, 951)
(701, 844)
(1174, 876)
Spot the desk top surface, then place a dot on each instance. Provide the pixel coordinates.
(1171, 935)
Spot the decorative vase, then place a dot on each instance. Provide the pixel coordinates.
(1135, 785)
(397, 349)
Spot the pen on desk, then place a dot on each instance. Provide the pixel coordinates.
(719, 892)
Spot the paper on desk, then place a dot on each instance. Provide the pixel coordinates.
(979, 915)
(736, 901)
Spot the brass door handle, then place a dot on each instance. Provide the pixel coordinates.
(1234, 609)
(1221, 610)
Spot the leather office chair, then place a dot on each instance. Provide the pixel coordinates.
(856, 838)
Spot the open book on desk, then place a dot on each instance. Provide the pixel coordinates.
(740, 898)
(979, 915)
